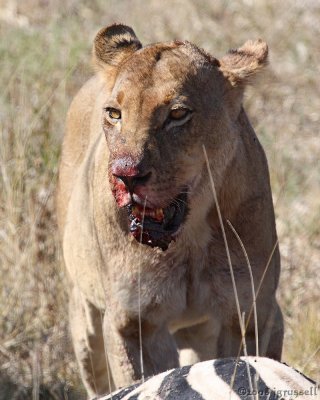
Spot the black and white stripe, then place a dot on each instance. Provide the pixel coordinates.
(224, 379)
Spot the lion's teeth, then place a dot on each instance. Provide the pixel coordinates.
(157, 213)
(135, 210)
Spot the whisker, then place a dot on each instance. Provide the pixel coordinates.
(175, 202)
(186, 192)
(181, 201)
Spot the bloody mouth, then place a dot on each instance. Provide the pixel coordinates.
(157, 227)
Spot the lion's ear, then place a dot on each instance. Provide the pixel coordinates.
(240, 65)
(113, 44)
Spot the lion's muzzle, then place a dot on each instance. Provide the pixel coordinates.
(153, 226)
(158, 227)
(126, 174)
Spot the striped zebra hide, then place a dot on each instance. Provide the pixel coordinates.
(224, 379)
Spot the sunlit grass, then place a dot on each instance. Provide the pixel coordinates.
(44, 60)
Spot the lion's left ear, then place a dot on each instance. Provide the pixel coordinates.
(240, 65)
(112, 45)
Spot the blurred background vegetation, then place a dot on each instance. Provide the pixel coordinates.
(44, 59)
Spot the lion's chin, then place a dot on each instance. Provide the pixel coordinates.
(159, 226)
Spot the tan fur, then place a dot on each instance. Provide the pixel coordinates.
(187, 299)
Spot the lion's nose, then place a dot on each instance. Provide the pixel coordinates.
(132, 182)
(132, 174)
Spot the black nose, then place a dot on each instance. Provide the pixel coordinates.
(132, 181)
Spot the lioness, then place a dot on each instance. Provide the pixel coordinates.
(139, 226)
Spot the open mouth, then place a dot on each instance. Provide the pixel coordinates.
(157, 227)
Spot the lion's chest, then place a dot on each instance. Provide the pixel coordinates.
(166, 292)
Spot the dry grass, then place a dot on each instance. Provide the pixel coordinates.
(44, 59)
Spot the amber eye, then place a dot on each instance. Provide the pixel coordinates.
(179, 113)
(113, 114)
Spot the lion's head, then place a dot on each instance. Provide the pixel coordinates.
(167, 100)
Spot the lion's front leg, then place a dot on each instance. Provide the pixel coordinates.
(270, 332)
(159, 351)
(86, 330)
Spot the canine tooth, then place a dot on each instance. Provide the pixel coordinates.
(159, 213)
(136, 211)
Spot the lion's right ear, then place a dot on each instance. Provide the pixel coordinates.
(112, 45)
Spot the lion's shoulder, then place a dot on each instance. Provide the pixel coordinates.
(76, 140)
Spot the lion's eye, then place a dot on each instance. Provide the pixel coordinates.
(179, 113)
(113, 114)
